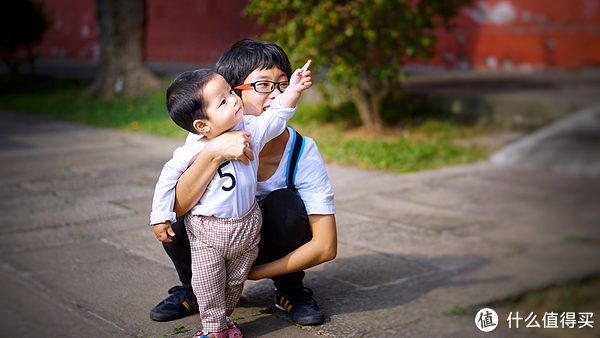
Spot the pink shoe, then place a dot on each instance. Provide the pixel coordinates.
(202, 334)
(233, 331)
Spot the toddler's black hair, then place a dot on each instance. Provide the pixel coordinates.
(185, 103)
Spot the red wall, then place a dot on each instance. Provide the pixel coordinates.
(73, 32)
(177, 30)
(501, 34)
(194, 31)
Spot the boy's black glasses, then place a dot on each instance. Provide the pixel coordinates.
(264, 86)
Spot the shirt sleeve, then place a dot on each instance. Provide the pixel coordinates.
(269, 124)
(312, 182)
(163, 201)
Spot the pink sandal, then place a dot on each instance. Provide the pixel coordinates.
(202, 334)
(233, 331)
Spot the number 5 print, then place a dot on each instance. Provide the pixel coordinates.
(221, 175)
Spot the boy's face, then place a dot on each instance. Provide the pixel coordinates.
(255, 103)
(224, 108)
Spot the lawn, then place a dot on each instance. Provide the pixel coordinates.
(414, 140)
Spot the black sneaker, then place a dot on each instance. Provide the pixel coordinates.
(300, 305)
(181, 303)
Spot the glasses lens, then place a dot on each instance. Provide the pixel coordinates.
(283, 85)
(264, 86)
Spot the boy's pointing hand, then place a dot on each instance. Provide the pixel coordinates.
(301, 79)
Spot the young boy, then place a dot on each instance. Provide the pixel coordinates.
(223, 227)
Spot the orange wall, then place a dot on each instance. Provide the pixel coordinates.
(524, 34)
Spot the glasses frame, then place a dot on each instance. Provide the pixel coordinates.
(252, 85)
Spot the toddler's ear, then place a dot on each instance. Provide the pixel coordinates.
(201, 126)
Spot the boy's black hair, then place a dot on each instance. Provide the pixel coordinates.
(185, 102)
(247, 55)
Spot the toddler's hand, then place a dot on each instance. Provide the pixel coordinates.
(301, 79)
(232, 145)
(164, 232)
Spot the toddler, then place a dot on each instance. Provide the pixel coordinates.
(224, 226)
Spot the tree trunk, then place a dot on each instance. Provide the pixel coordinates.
(367, 98)
(362, 105)
(122, 67)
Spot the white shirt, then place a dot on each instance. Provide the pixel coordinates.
(311, 180)
(231, 192)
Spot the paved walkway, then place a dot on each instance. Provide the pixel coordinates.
(79, 260)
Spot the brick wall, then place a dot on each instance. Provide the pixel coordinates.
(497, 34)
(194, 31)
(73, 31)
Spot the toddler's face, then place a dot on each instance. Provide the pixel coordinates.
(255, 103)
(224, 108)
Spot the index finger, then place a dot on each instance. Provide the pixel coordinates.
(306, 65)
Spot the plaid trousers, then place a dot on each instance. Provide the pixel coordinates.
(223, 250)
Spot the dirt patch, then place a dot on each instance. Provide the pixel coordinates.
(491, 141)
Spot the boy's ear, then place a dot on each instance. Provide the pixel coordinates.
(201, 126)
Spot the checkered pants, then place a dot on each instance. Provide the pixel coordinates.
(223, 250)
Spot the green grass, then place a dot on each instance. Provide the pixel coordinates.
(456, 310)
(400, 155)
(420, 142)
(568, 297)
(61, 98)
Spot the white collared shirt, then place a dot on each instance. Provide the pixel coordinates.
(311, 181)
(231, 192)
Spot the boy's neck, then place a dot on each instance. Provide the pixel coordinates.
(206, 137)
(210, 138)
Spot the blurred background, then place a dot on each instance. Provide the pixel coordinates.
(509, 35)
(454, 80)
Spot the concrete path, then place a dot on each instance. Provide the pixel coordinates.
(570, 144)
(79, 260)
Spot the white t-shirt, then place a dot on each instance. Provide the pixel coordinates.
(231, 192)
(311, 179)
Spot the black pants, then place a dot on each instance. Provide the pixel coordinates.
(285, 228)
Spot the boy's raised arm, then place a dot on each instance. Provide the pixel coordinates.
(299, 82)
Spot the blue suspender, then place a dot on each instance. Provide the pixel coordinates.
(292, 164)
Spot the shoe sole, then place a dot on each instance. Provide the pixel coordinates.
(167, 318)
